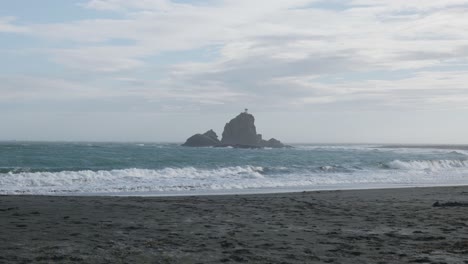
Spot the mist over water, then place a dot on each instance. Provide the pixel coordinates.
(163, 169)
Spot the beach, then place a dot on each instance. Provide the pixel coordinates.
(353, 226)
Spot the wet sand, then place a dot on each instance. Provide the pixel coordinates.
(362, 226)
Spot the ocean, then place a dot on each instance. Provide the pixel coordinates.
(153, 169)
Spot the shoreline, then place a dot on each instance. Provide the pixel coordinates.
(342, 226)
(238, 192)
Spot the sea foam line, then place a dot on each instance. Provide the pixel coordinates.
(435, 165)
(188, 179)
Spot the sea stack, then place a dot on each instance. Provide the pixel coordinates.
(208, 139)
(240, 132)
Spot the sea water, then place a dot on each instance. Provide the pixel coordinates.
(169, 169)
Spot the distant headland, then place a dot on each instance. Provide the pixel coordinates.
(240, 132)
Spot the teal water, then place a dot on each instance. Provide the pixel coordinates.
(158, 169)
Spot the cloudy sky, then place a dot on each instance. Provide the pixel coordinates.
(309, 70)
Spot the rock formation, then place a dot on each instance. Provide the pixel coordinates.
(272, 143)
(240, 132)
(208, 139)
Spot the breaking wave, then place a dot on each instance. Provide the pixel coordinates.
(189, 180)
(126, 180)
(431, 165)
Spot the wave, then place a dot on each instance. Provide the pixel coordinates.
(350, 147)
(431, 165)
(186, 180)
(403, 149)
(13, 170)
(124, 180)
(459, 152)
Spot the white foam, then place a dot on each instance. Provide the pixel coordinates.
(123, 180)
(327, 168)
(189, 179)
(336, 147)
(380, 148)
(459, 152)
(433, 165)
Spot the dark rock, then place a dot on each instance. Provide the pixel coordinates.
(240, 131)
(239, 146)
(272, 143)
(208, 139)
(211, 134)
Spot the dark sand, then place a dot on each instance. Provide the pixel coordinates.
(371, 226)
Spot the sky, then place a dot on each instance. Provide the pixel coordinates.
(335, 71)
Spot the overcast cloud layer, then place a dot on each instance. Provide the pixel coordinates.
(393, 59)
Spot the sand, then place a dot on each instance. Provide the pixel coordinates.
(359, 226)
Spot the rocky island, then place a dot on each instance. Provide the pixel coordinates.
(240, 132)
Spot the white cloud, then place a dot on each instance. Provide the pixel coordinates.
(414, 5)
(7, 26)
(424, 90)
(24, 88)
(125, 4)
(102, 59)
(242, 29)
(273, 50)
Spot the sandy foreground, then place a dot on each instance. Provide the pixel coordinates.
(365, 226)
